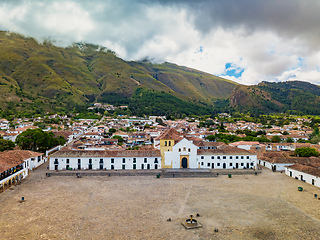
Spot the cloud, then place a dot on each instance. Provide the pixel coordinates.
(268, 40)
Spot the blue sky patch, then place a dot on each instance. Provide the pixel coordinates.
(232, 70)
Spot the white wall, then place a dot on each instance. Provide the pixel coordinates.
(305, 176)
(173, 157)
(227, 161)
(279, 166)
(117, 163)
(36, 162)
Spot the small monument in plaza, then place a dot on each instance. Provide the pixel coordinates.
(190, 223)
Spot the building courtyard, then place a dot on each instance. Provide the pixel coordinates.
(263, 206)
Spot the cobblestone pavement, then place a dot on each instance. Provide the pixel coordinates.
(263, 206)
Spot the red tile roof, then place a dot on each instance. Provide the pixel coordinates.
(12, 158)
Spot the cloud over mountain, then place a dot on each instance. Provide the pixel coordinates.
(266, 40)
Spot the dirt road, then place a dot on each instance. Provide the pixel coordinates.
(267, 206)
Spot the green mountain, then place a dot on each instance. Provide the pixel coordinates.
(37, 77)
(266, 97)
(40, 77)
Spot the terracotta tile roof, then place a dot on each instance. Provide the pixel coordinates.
(306, 169)
(209, 144)
(65, 134)
(224, 150)
(12, 158)
(170, 134)
(64, 153)
(243, 143)
(277, 157)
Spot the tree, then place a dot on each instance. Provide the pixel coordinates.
(315, 139)
(112, 130)
(6, 145)
(289, 140)
(38, 140)
(120, 139)
(211, 138)
(306, 152)
(275, 139)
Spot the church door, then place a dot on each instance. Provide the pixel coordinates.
(184, 162)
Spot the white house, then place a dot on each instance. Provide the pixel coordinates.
(98, 160)
(308, 174)
(4, 124)
(15, 165)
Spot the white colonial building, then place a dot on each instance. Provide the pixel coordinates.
(15, 165)
(305, 173)
(67, 159)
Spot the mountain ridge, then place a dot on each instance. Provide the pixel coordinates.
(39, 77)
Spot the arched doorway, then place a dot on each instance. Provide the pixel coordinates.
(184, 162)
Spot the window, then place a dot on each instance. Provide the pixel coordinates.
(230, 164)
(242, 164)
(212, 157)
(208, 164)
(165, 143)
(123, 160)
(67, 160)
(218, 157)
(252, 164)
(145, 160)
(90, 161)
(247, 157)
(224, 157)
(79, 161)
(202, 157)
(230, 157)
(237, 157)
(134, 160)
(189, 150)
(156, 160)
(218, 164)
(112, 166)
(112, 160)
(148, 166)
(241, 157)
(56, 161)
(169, 143)
(179, 149)
(201, 163)
(101, 160)
(123, 166)
(142, 166)
(184, 149)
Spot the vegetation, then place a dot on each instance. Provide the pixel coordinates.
(6, 145)
(227, 138)
(306, 152)
(120, 139)
(38, 140)
(42, 77)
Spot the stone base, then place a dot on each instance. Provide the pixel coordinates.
(187, 226)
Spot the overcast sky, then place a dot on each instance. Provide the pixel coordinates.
(247, 41)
